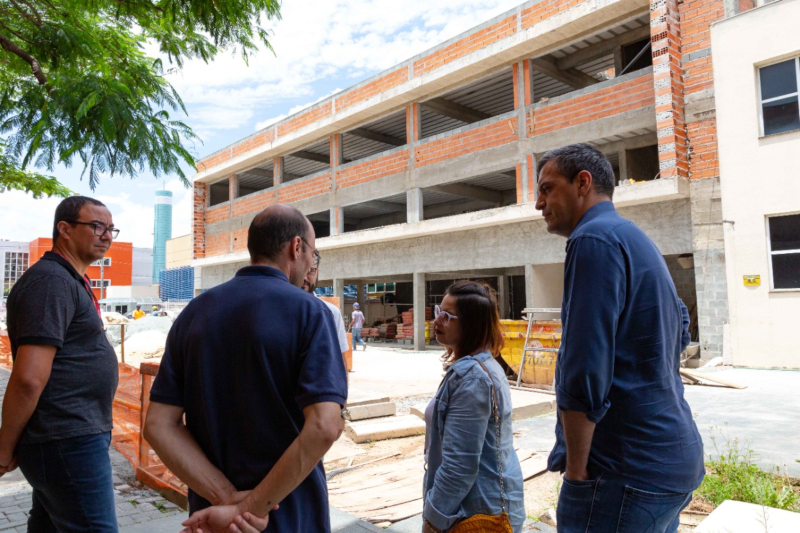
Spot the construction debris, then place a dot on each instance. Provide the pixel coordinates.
(697, 378)
(385, 428)
(549, 517)
(739, 517)
(372, 410)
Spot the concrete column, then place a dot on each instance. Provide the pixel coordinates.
(233, 187)
(413, 123)
(522, 183)
(338, 292)
(414, 205)
(503, 304)
(337, 150)
(419, 310)
(623, 165)
(337, 220)
(277, 171)
(618, 66)
(544, 285)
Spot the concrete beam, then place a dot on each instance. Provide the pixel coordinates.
(454, 110)
(364, 133)
(602, 48)
(470, 191)
(572, 77)
(312, 156)
(419, 310)
(386, 206)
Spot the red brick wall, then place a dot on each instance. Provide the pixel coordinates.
(199, 221)
(613, 100)
(240, 240)
(545, 9)
(256, 202)
(304, 188)
(217, 213)
(466, 142)
(372, 169)
(214, 160)
(703, 157)
(368, 90)
(321, 111)
(467, 45)
(218, 244)
(254, 142)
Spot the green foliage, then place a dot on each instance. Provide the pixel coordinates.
(734, 476)
(76, 80)
(12, 177)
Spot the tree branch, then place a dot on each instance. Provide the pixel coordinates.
(26, 15)
(36, 68)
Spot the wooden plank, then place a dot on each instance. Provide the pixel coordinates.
(398, 512)
(533, 466)
(697, 375)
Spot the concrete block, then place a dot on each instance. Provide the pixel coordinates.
(365, 399)
(385, 428)
(739, 517)
(372, 410)
(527, 404)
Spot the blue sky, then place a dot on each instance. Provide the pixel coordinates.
(321, 46)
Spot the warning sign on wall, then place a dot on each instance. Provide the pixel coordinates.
(752, 281)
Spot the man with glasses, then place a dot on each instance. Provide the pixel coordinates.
(56, 422)
(255, 367)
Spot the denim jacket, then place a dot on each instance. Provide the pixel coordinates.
(461, 478)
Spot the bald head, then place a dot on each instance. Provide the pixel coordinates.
(274, 228)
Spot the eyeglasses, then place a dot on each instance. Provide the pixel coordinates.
(317, 257)
(446, 317)
(100, 229)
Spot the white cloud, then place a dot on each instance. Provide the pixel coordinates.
(22, 218)
(318, 40)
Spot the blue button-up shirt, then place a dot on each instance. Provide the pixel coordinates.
(623, 330)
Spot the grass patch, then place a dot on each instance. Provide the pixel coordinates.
(735, 476)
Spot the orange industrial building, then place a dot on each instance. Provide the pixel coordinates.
(117, 268)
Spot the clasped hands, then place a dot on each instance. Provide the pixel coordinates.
(230, 517)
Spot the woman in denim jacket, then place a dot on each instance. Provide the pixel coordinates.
(462, 477)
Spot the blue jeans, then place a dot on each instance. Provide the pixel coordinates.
(357, 337)
(72, 487)
(612, 503)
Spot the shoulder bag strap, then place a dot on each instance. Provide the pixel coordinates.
(497, 438)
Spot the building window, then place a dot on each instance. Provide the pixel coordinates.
(779, 83)
(15, 264)
(106, 262)
(96, 283)
(784, 251)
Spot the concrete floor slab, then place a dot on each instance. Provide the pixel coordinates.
(739, 517)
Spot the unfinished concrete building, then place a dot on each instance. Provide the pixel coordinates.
(425, 172)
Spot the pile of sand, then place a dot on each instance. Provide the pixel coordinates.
(112, 317)
(143, 346)
(147, 323)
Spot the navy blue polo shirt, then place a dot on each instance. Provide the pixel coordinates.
(623, 330)
(243, 360)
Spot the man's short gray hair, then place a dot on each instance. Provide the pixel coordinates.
(571, 159)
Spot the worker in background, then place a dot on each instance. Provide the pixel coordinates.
(138, 313)
(155, 311)
(356, 323)
(309, 284)
(255, 366)
(57, 408)
(625, 438)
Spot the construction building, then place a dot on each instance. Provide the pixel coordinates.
(425, 172)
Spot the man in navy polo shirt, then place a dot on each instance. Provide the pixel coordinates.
(255, 366)
(625, 439)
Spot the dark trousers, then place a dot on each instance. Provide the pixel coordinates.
(615, 504)
(72, 487)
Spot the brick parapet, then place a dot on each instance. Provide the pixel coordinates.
(479, 136)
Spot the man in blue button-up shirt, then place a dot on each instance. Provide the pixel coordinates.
(625, 439)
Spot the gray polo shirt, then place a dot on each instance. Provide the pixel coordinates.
(51, 306)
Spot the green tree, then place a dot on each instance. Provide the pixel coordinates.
(76, 81)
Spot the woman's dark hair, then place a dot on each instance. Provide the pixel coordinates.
(476, 305)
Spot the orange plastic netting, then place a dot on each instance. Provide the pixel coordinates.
(127, 414)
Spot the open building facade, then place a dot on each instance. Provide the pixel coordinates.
(426, 172)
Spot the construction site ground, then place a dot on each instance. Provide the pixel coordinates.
(765, 415)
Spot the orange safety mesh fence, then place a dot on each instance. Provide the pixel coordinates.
(130, 409)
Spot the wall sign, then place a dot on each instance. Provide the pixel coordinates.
(752, 281)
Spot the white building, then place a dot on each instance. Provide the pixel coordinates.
(14, 260)
(756, 57)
